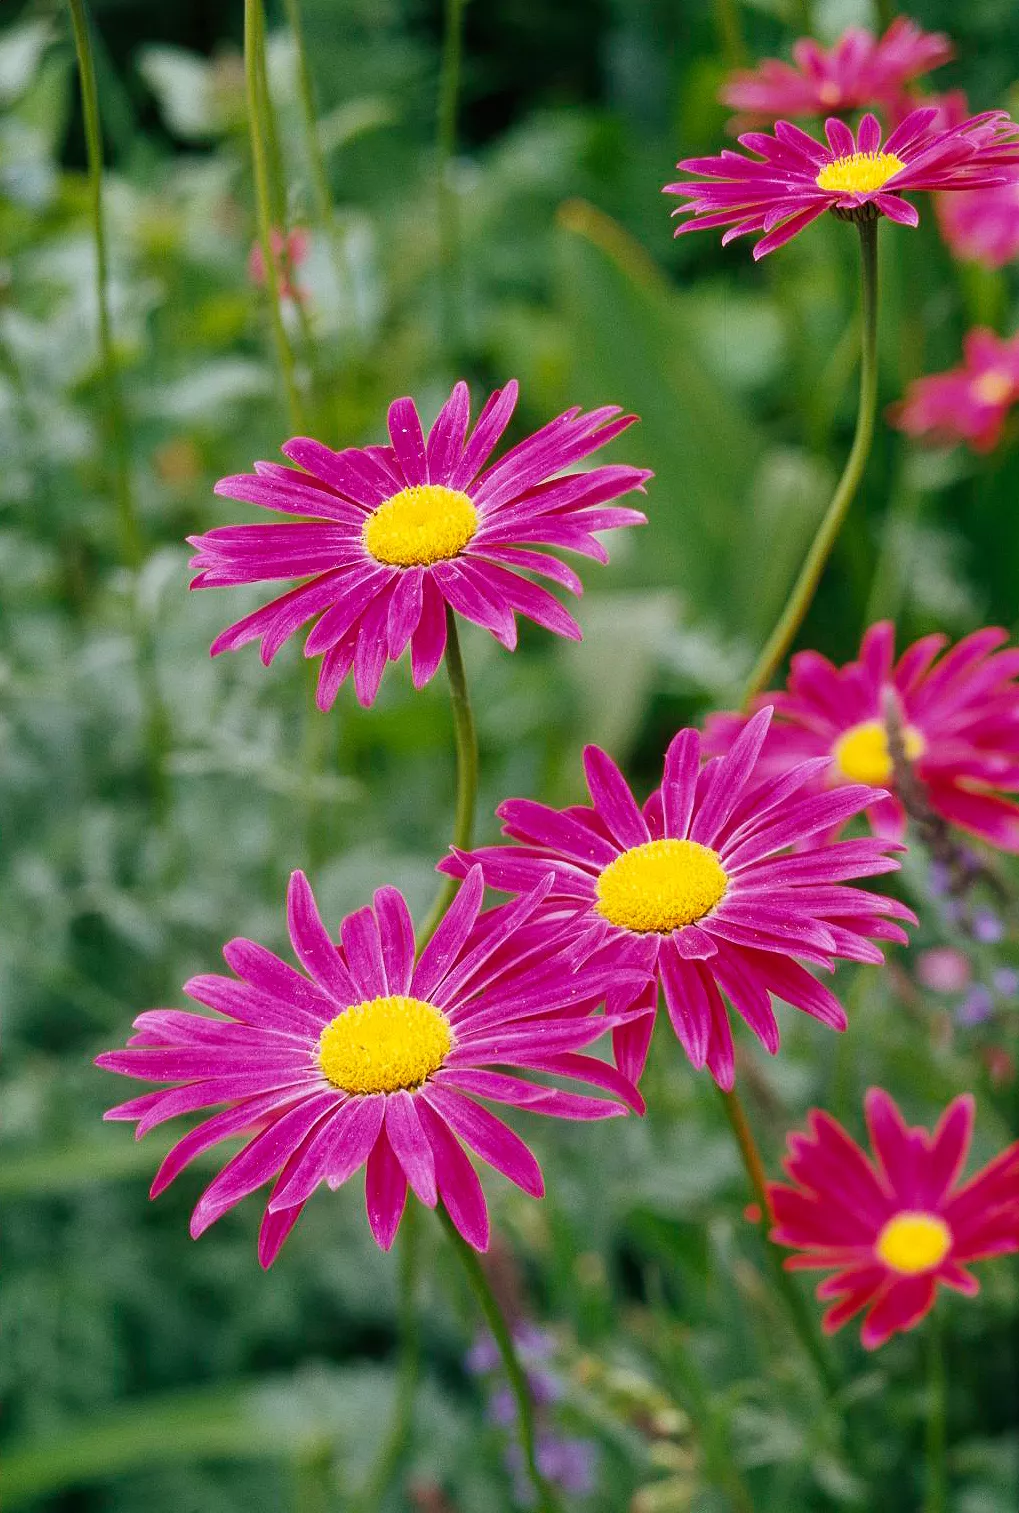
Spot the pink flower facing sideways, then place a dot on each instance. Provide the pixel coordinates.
(895, 1228)
(859, 71)
(981, 227)
(698, 890)
(960, 726)
(389, 536)
(373, 1060)
(970, 403)
(794, 179)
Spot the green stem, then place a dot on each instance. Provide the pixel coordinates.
(254, 72)
(306, 88)
(500, 1330)
(801, 598)
(791, 1295)
(936, 1499)
(449, 227)
(466, 772)
(730, 33)
(394, 1451)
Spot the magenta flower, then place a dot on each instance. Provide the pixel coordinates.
(970, 403)
(859, 71)
(698, 890)
(398, 533)
(982, 227)
(372, 1060)
(894, 1228)
(960, 724)
(794, 179)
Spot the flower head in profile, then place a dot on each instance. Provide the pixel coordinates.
(860, 71)
(370, 1059)
(699, 891)
(981, 227)
(969, 403)
(289, 250)
(793, 178)
(390, 537)
(894, 1228)
(959, 717)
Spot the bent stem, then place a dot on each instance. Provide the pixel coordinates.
(936, 1498)
(500, 1330)
(802, 595)
(394, 1450)
(791, 1295)
(466, 739)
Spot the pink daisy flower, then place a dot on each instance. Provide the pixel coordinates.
(981, 227)
(394, 535)
(698, 890)
(860, 70)
(960, 723)
(893, 1228)
(970, 403)
(794, 179)
(370, 1059)
(289, 250)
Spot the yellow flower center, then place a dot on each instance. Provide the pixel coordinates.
(992, 388)
(913, 1242)
(660, 886)
(829, 94)
(858, 172)
(384, 1045)
(422, 524)
(862, 754)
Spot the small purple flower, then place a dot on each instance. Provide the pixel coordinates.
(988, 927)
(976, 1007)
(569, 1464)
(1006, 982)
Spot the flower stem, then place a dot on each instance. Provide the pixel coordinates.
(802, 595)
(254, 72)
(449, 228)
(394, 1451)
(466, 739)
(500, 1329)
(306, 88)
(791, 1295)
(936, 1499)
(730, 33)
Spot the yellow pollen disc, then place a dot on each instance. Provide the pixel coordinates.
(913, 1242)
(862, 754)
(992, 388)
(660, 886)
(420, 525)
(859, 172)
(384, 1045)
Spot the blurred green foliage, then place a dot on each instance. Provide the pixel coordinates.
(139, 1369)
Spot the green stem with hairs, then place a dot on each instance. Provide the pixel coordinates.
(449, 220)
(792, 1297)
(500, 1330)
(394, 1450)
(254, 73)
(802, 596)
(466, 772)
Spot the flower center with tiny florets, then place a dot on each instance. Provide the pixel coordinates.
(384, 1044)
(862, 753)
(914, 1242)
(660, 886)
(858, 172)
(422, 524)
(992, 388)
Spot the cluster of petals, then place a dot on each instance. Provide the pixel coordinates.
(981, 227)
(782, 190)
(959, 718)
(895, 1228)
(367, 609)
(969, 403)
(860, 71)
(775, 909)
(505, 995)
(289, 250)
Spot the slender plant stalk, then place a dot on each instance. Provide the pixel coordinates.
(802, 595)
(449, 219)
(730, 32)
(254, 72)
(500, 1330)
(309, 112)
(394, 1450)
(466, 772)
(936, 1498)
(791, 1295)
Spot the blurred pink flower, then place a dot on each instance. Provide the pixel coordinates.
(943, 969)
(289, 251)
(859, 71)
(895, 1228)
(982, 227)
(969, 403)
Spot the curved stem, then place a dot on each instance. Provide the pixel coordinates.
(306, 89)
(802, 595)
(500, 1329)
(791, 1295)
(254, 73)
(394, 1450)
(449, 229)
(466, 739)
(936, 1498)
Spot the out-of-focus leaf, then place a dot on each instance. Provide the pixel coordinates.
(21, 50)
